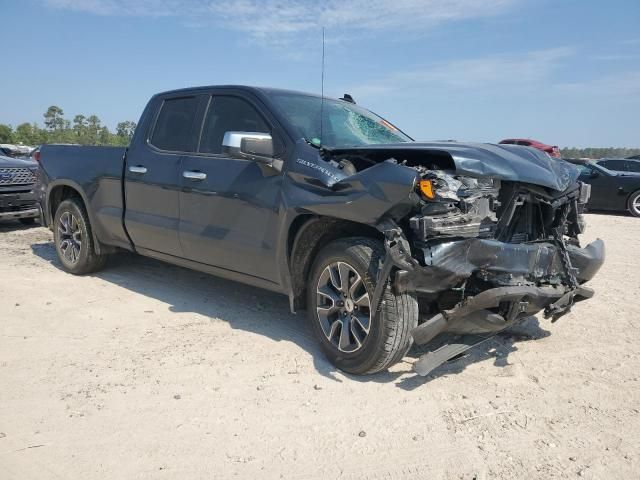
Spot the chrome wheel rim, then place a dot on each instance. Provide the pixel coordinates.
(635, 205)
(343, 307)
(69, 237)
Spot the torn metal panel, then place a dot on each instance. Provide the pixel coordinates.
(503, 162)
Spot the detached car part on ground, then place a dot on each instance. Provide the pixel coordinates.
(383, 243)
(18, 190)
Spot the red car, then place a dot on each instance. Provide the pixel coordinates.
(554, 151)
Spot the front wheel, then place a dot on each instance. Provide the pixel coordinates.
(340, 292)
(73, 239)
(634, 204)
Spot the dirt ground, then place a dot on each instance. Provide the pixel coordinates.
(151, 371)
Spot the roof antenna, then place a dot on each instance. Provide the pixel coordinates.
(322, 90)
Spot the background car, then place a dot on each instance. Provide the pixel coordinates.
(621, 165)
(634, 157)
(19, 190)
(554, 151)
(610, 190)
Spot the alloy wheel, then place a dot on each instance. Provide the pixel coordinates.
(343, 307)
(635, 205)
(69, 237)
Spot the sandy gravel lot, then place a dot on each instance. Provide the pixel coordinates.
(151, 371)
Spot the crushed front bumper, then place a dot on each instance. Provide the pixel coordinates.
(449, 264)
(522, 279)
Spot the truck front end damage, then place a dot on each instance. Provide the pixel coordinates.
(482, 249)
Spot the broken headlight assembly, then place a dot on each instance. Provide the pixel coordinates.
(455, 206)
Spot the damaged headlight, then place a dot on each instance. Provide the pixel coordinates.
(440, 186)
(455, 206)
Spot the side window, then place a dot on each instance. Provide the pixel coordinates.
(524, 143)
(633, 166)
(584, 170)
(617, 165)
(229, 114)
(606, 164)
(174, 128)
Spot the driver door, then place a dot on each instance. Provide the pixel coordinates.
(229, 206)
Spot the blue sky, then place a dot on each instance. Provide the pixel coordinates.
(566, 72)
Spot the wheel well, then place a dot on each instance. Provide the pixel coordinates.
(60, 194)
(307, 235)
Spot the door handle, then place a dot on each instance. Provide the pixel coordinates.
(194, 175)
(138, 169)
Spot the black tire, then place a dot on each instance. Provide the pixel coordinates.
(389, 335)
(84, 259)
(633, 204)
(27, 221)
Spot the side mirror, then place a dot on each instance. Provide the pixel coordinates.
(594, 174)
(249, 146)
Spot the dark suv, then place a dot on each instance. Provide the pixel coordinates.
(18, 190)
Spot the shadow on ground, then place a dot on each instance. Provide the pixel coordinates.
(14, 225)
(266, 313)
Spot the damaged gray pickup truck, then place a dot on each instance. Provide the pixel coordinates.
(383, 240)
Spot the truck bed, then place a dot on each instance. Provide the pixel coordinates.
(97, 171)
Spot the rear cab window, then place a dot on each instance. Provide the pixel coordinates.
(174, 127)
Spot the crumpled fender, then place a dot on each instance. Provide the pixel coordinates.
(384, 190)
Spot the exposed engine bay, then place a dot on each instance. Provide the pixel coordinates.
(481, 251)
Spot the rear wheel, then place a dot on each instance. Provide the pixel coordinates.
(340, 292)
(634, 204)
(73, 239)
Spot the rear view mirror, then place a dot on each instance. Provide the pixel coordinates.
(249, 146)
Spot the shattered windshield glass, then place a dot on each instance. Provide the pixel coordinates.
(344, 124)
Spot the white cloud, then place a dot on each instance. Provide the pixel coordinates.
(494, 72)
(282, 21)
(624, 85)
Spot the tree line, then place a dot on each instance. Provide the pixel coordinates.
(90, 131)
(82, 130)
(608, 152)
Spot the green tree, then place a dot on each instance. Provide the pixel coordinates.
(93, 129)
(602, 152)
(54, 118)
(6, 133)
(25, 133)
(80, 128)
(104, 136)
(125, 129)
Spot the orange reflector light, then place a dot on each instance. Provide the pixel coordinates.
(426, 188)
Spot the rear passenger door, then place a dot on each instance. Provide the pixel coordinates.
(152, 174)
(228, 206)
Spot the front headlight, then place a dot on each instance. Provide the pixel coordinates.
(439, 186)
